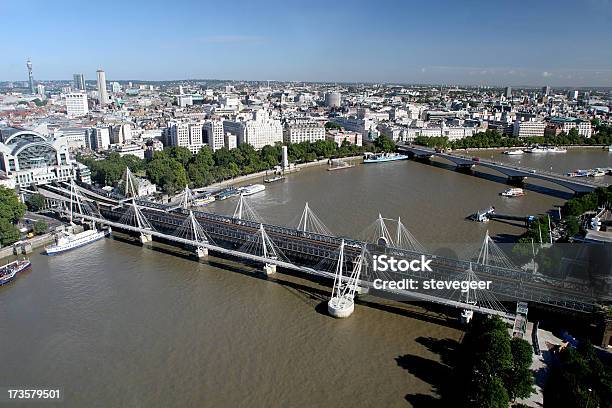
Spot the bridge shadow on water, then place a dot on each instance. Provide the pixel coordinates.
(315, 293)
(438, 374)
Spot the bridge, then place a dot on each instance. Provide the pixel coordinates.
(513, 172)
(310, 251)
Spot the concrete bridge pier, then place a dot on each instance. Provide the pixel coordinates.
(269, 269)
(516, 179)
(146, 238)
(201, 253)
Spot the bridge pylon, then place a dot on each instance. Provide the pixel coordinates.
(261, 245)
(342, 301)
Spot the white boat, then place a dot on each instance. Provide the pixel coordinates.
(536, 149)
(204, 200)
(251, 189)
(610, 148)
(513, 152)
(339, 165)
(67, 241)
(556, 149)
(597, 173)
(513, 192)
(274, 179)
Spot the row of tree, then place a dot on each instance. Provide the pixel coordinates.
(492, 368)
(580, 379)
(175, 167)
(493, 138)
(11, 211)
(578, 205)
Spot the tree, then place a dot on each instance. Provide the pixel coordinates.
(332, 125)
(572, 225)
(40, 227)
(8, 232)
(11, 209)
(181, 154)
(36, 202)
(384, 144)
(519, 380)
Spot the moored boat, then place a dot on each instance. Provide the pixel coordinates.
(383, 157)
(513, 152)
(251, 189)
(536, 149)
(9, 271)
(203, 200)
(274, 179)
(556, 149)
(66, 241)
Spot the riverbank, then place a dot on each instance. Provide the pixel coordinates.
(475, 149)
(26, 246)
(261, 174)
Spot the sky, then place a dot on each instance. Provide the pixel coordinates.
(463, 42)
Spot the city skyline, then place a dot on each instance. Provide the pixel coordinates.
(390, 42)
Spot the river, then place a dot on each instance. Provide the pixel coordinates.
(115, 324)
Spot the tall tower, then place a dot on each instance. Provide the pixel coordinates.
(79, 82)
(30, 76)
(102, 92)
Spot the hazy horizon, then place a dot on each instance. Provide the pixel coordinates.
(556, 43)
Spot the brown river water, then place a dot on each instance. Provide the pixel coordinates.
(116, 324)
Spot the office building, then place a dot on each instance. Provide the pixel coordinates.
(102, 92)
(76, 104)
(40, 90)
(259, 131)
(185, 134)
(214, 134)
(231, 142)
(508, 92)
(297, 131)
(556, 125)
(30, 76)
(340, 136)
(99, 138)
(78, 82)
(528, 128)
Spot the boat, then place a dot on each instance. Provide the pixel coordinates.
(556, 149)
(203, 200)
(274, 179)
(227, 193)
(513, 192)
(383, 157)
(66, 241)
(536, 149)
(597, 173)
(251, 189)
(11, 269)
(610, 148)
(579, 173)
(513, 152)
(339, 165)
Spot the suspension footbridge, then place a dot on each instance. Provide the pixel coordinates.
(311, 250)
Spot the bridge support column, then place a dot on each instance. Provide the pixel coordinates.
(516, 179)
(201, 252)
(146, 238)
(269, 269)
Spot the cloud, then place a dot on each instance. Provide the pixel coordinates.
(226, 39)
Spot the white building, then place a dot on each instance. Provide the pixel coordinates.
(333, 99)
(259, 131)
(185, 134)
(99, 138)
(76, 104)
(102, 92)
(214, 134)
(557, 125)
(75, 137)
(29, 158)
(528, 128)
(40, 90)
(231, 141)
(115, 87)
(365, 126)
(133, 149)
(297, 131)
